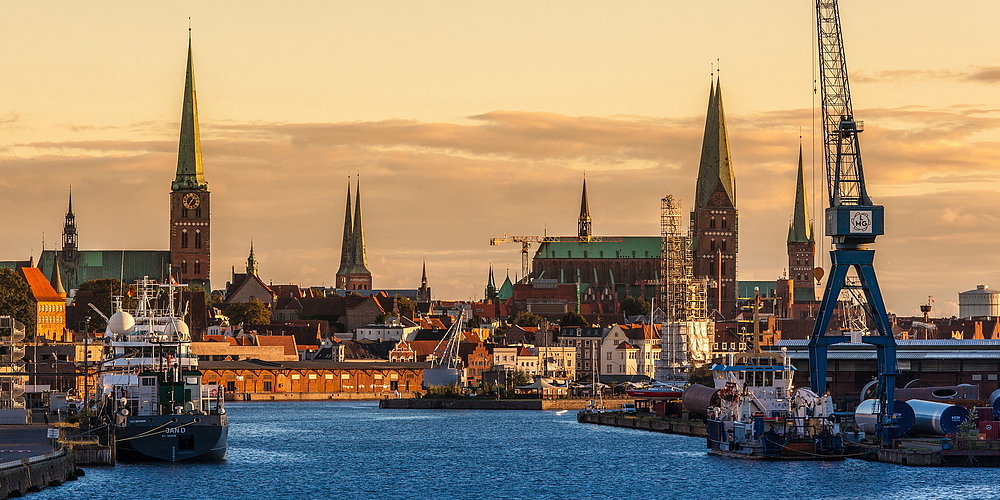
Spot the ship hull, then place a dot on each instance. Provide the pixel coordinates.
(771, 445)
(172, 438)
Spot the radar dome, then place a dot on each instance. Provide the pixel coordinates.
(120, 323)
(177, 327)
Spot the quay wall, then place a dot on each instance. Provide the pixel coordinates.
(666, 426)
(30, 475)
(314, 396)
(489, 404)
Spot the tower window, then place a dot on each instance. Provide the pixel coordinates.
(184, 266)
(197, 212)
(184, 238)
(197, 267)
(711, 224)
(197, 240)
(712, 245)
(723, 245)
(725, 222)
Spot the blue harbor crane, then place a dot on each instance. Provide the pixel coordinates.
(853, 222)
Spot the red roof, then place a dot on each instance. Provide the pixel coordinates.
(41, 289)
(524, 352)
(286, 341)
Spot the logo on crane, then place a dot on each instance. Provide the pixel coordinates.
(861, 221)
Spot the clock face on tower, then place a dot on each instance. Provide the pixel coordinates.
(191, 201)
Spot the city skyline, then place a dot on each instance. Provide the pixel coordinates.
(471, 121)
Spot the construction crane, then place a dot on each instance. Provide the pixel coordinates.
(852, 221)
(526, 242)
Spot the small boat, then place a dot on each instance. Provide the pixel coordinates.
(149, 387)
(657, 392)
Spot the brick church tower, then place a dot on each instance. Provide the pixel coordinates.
(801, 243)
(190, 199)
(714, 219)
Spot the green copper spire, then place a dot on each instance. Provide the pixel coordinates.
(715, 172)
(583, 226)
(800, 230)
(347, 247)
(190, 176)
(360, 258)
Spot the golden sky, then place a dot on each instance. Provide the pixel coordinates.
(469, 120)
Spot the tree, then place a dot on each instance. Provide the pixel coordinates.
(102, 293)
(405, 306)
(574, 318)
(701, 375)
(632, 306)
(14, 301)
(525, 318)
(519, 378)
(254, 312)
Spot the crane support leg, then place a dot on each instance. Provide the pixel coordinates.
(885, 344)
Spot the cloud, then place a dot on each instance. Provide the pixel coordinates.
(440, 191)
(977, 74)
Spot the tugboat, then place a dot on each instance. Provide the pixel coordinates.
(758, 414)
(150, 388)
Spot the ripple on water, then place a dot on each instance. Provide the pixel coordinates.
(354, 450)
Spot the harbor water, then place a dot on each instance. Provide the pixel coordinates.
(352, 449)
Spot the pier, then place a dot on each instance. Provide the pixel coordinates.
(665, 425)
(492, 404)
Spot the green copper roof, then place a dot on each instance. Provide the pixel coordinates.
(190, 175)
(358, 256)
(715, 172)
(347, 247)
(101, 264)
(800, 230)
(631, 247)
(506, 290)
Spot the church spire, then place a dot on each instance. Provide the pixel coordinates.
(252, 261)
(491, 287)
(583, 226)
(190, 176)
(69, 235)
(800, 230)
(715, 171)
(347, 246)
(360, 257)
(56, 280)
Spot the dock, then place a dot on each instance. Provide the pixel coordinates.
(666, 425)
(491, 404)
(31, 461)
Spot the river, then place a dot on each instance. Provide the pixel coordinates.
(352, 449)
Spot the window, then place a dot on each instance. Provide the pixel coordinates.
(231, 385)
(184, 266)
(184, 238)
(197, 267)
(711, 224)
(148, 381)
(609, 355)
(712, 245)
(586, 343)
(724, 222)
(197, 239)
(723, 245)
(197, 212)
(268, 386)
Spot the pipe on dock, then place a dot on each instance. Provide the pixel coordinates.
(931, 417)
(866, 416)
(697, 398)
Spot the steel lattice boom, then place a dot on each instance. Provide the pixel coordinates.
(852, 220)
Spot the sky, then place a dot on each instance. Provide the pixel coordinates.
(471, 120)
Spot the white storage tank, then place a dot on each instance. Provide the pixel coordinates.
(979, 302)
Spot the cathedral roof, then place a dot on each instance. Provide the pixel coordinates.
(638, 247)
(127, 265)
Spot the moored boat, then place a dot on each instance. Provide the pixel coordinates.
(150, 388)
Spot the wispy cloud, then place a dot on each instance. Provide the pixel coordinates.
(978, 74)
